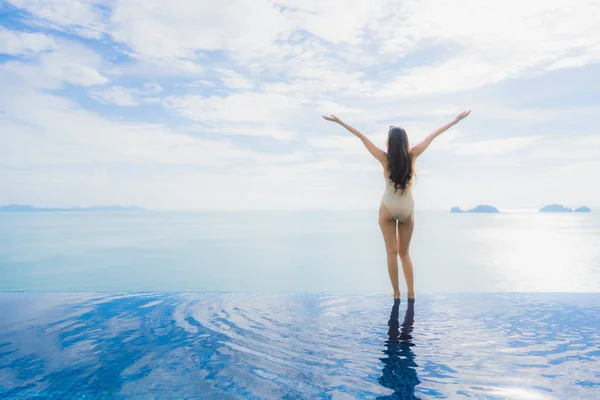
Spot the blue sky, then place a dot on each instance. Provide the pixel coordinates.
(193, 105)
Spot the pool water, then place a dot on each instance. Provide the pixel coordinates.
(298, 346)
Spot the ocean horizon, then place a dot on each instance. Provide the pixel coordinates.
(285, 251)
(135, 208)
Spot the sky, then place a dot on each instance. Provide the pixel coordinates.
(194, 104)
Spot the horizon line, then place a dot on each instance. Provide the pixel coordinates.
(144, 208)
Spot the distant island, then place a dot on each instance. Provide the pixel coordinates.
(478, 209)
(28, 208)
(555, 208)
(561, 208)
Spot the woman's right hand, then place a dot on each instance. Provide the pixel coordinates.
(462, 115)
(332, 118)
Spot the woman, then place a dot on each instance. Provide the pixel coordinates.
(396, 209)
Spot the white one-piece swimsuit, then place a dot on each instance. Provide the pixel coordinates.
(399, 205)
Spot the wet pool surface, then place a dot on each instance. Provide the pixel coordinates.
(298, 346)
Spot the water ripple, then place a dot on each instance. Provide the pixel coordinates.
(298, 346)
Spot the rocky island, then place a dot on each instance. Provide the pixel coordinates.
(555, 208)
(583, 209)
(478, 209)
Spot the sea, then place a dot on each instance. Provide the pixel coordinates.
(295, 305)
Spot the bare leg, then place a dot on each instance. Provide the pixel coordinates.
(388, 228)
(405, 231)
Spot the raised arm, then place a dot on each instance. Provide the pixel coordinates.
(418, 149)
(374, 150)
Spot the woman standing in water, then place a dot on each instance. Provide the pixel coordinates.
(396, 209)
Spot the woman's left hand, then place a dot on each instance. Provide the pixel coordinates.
(462, 115)
(332, 118)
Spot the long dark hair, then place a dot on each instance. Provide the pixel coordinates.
(400, 159)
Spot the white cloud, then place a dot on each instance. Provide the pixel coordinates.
(237, 107)
(490, 42)
(38, 129)
(233, 80)
(245, 113)
(495, 146)
(116, 95)
(453, 75)
(150, 88)
(68, 63)
(200, 83)
(127, 96)
(333, 21)
(493, 42)
(82, 17)
(158, 29)
(16, 43)
(157, 68)
(45, 129)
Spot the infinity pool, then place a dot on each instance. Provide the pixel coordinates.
(298, 346)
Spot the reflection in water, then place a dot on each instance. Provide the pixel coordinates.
(399, 370)
(267, 346)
